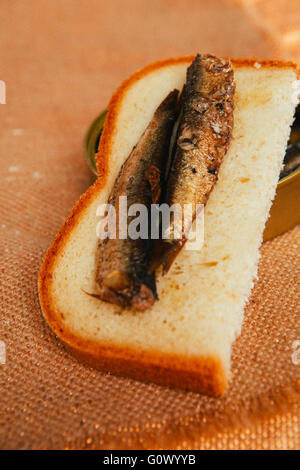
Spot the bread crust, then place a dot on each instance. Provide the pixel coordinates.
(204, 374)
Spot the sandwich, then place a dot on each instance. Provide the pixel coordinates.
(196, 131)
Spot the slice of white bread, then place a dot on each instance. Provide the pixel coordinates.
(185, 339)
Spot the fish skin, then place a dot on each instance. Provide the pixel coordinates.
(203, 138)
(122, 264)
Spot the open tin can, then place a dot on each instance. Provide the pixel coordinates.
(285, 210)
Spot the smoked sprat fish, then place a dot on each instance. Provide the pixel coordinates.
(122, 264)
(203, 137)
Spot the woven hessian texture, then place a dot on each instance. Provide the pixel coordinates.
(61, 62)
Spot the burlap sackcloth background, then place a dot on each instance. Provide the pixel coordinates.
(61, 61)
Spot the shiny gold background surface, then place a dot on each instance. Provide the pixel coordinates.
(61, 61)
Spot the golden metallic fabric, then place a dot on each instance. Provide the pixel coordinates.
(47, 398)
